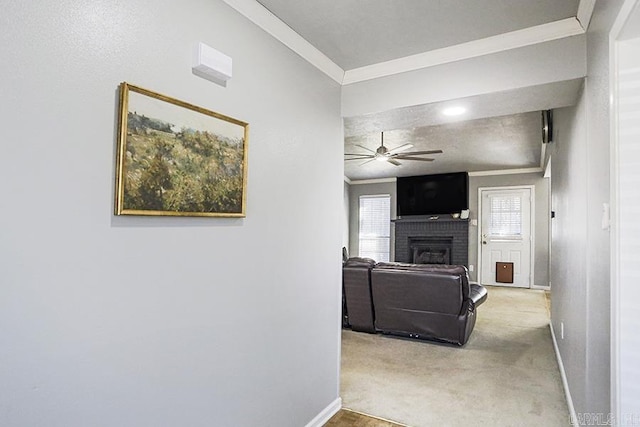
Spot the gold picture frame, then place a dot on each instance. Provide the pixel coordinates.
(177, 159)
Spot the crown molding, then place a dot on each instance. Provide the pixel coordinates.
(502, 42)
(270, 23)
(507, 172)
(479, 173)
(585, 12)
(347, 180)
(372, 181)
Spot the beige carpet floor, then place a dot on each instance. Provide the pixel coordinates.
(506, 374)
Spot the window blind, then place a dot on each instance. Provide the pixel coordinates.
(375, 227)
(506, 216)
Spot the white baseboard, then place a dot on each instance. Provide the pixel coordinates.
(541, 288)
(326, 414)
(565, 383)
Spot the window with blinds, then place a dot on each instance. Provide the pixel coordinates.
(375, 227)
(506, 216)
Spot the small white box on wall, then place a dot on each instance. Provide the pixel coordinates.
(211, 64)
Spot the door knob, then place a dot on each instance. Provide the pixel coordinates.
(484, 242)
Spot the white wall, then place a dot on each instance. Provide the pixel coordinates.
(345, 218)
(580, 265)
(569, 240)
(137, 321)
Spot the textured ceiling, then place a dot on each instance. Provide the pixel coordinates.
(500, 130)
(356, 33)
(493, 143)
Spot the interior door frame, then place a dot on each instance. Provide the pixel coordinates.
(616, 228)
(532, 241)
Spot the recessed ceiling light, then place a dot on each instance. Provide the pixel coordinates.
(454, 111)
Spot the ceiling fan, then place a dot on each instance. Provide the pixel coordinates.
(382, 154)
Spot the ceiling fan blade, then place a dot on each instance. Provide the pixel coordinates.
(359, 158)
(358, 154)
(424, 159)
(368, 161)
(418, 153)
(402, 147)
(394, 162)
(368, 149)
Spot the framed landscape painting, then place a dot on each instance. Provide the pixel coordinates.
(177, 159)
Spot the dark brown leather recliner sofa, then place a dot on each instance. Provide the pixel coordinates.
(356, 285)
(433, 302)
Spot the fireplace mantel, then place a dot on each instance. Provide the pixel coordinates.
(433, 218)
(436, 226)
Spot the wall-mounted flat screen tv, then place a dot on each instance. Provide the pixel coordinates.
(433, 194)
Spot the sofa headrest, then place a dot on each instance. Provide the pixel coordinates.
(442, 273)
(360, 262)
(435, 268)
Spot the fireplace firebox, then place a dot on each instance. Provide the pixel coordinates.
(432, 240)
(430, 250)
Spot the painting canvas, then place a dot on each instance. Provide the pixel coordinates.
(177, 159)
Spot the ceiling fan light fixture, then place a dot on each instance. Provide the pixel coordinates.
(454, 111)
(391, 156)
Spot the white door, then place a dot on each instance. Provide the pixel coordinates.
(505, 235)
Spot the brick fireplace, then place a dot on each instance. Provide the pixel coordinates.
(432, 240)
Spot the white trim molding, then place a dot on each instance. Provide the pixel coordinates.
(326, 414)
(618, 374)
(585, 12)
(263, 18)
(565, 383)
(373, 181)
(478, 173)
(541, 288)
(502, 42)
(507, 172)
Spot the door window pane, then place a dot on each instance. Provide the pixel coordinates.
(505, 216)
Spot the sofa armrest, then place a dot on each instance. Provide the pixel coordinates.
(477, 293)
